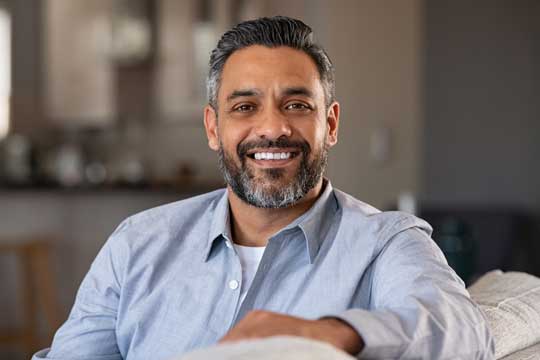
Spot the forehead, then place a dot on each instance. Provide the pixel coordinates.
(263, 68)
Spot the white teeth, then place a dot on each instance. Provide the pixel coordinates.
(272, 156)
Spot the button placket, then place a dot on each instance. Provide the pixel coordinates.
(233, 283)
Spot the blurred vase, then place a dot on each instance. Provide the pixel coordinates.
(16, 167)
(126, 165)
(69, 165)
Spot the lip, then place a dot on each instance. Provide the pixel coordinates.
(271, 164)
(274, 150)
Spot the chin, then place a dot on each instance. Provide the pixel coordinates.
(275, 177)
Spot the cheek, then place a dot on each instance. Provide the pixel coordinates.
(230, 138)
(315, 136)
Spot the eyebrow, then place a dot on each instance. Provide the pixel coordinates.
(299, 90)
(290, 91)
(242, 93)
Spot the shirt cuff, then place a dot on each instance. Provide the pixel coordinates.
(381, 333)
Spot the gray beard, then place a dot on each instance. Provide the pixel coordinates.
(244, 184)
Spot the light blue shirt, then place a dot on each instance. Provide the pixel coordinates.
(168, 281)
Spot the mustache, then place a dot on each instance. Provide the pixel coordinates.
(282, 142)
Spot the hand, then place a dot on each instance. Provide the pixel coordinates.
(261, 324)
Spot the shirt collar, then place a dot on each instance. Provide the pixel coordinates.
(314, 223)
(220, 226)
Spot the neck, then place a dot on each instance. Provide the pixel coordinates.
(253, 226)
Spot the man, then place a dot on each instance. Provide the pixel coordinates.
(279, 251)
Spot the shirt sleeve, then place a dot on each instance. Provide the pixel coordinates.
(419, 308)
(89, 332)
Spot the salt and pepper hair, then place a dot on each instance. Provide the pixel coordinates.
(270, 32)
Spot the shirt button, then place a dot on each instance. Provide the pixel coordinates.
(233, 284)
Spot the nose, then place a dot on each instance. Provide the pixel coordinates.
(272, 125)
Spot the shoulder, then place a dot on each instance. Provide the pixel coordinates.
(373, 225)
(172, 219)
(178, 211)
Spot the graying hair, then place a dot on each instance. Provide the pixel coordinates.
(270, 32)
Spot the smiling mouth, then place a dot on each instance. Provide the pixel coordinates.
(273, 156)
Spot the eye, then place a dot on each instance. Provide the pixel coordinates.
(244, 108)
(298, 106)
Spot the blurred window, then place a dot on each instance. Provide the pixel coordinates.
(5, 70)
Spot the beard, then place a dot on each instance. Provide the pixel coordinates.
(272, 189)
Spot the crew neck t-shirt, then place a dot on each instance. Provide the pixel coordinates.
(250, 257)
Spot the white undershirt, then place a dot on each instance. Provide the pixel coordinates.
(250, 257)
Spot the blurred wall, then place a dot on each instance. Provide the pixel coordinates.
(376, 47)
(27, 72)
(482, 132)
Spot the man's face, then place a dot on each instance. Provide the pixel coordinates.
(272, 129)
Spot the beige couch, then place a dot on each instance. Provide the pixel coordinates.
(511, 303)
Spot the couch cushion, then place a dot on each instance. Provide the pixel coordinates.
(273, 348)
(511, 303)
(530, 353)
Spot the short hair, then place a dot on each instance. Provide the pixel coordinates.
(270, 32)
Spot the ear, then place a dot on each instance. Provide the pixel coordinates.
(332, 118)
(211, 127)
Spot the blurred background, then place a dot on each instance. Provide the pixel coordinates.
(101, 117)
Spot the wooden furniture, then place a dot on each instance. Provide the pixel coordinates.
(36, 293)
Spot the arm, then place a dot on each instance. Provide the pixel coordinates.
(89, 332)
(261, 324)
(419, 308)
